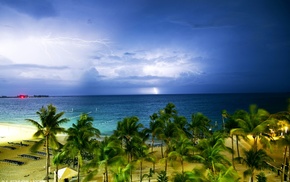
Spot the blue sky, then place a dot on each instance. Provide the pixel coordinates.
(74, 47)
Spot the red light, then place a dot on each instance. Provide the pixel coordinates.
(22, 96)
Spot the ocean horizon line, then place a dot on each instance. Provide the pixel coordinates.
(163, 94)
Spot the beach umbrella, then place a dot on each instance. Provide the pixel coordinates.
(66, 173)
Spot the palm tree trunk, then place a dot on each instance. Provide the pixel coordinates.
(162, 149)
(152, 144)
(106, 175)
(165, 169)
(288, 178)
(56, 173)
(79, 166)
(182, 168)
(252, 176)
(283, 165)
(238, 150)
(131, 173)
(47, 158)
(233, 161)
(255, 144)
(141, 171)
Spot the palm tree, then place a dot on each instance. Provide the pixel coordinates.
(182, 150)
(142, 154)
(224, 116)
(232, 123)
(285, 141)
(107, 153)
(169, 132)
(255, 123)
(181, 123)
(47, 129)
(155, 126)
(80, 136)
(199, 126)
(211, 153)
(256, 160)
(128, 131)
(58, 158)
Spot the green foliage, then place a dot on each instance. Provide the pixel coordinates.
(199, 126)
(121, 173)
(80, 137)
(47, 129)
(162, 177)
(261, 177)
(256, 160)
(211, 155)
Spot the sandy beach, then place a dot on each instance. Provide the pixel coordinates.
(11, 136)
(34, 170)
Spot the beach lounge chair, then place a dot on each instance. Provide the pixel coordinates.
(18, 163)
(41, 153)
(18, 144)
(8, 147)
(29, 156)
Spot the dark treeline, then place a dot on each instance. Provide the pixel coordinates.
(133, 151)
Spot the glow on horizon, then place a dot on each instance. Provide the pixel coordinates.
(155, 90)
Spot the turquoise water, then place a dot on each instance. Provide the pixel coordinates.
(108, 110)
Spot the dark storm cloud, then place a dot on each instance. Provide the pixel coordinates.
(175, 46)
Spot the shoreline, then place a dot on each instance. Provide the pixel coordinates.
(10, 132)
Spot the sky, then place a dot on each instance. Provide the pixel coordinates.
(96, 47)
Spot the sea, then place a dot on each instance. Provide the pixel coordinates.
(109, 109)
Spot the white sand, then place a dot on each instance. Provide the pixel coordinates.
(14, 132)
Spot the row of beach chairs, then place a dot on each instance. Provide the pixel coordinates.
(18, 163)
(29, 156)
(18, 144)
(12, 145)
(8, 147)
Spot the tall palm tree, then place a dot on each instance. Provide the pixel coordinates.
(199, 126)
(285, 141)
(182, 150)
(107, 153)
(127, 129)
(142, 154)
(231, 124)
(47, 128)
(224, 116)
(128, 132)
(58, 158)
(256, 160)
(181, 123)
(155, 126)
(211, 155)
(168, 133)
(80, 136)
(255, 123)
